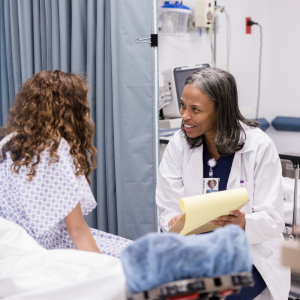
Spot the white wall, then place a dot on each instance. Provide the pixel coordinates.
(280, 59)
(284, 70)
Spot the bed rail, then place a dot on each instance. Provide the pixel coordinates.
(198, 288)
(295, 159)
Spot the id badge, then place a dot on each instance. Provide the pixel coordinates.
(210, 185)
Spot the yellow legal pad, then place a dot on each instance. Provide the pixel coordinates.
(199, 210)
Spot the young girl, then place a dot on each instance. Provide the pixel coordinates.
(45, 156)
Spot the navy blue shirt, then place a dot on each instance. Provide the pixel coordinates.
(221, 170)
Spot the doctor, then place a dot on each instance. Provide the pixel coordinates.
(217, 142)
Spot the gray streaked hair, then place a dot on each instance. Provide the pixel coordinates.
(220, 87)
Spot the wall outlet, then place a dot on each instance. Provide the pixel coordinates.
(248, 28)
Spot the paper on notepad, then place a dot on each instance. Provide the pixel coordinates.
(201, 209)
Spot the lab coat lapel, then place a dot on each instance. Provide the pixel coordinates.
(235, 173)
(193, 177)
(234, 180)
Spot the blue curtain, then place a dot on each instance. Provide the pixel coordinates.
(96, 39)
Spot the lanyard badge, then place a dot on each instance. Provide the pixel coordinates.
(211, 184)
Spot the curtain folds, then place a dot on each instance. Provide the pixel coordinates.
(95, 39)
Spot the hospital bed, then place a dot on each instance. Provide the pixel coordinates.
(290, 170)
(199, 288)
(30, 272)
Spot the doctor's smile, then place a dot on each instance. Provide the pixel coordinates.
(188, 128)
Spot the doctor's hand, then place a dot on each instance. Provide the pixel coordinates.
(174, 220)
(235, 217)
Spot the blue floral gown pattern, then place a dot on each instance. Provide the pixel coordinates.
(41, 205)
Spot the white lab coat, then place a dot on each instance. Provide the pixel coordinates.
(258, 164)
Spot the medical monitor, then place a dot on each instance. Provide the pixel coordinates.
(174, 82)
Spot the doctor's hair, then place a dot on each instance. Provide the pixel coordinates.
(48, 107)
(220, 87)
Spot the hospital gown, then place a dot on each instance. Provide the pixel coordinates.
(41, 205)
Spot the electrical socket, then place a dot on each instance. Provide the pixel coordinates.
(248, 28)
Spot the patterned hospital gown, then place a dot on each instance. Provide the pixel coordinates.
(41, 205)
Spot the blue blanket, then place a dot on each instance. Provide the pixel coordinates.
(155, 258)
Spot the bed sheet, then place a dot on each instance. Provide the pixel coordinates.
(28, 271)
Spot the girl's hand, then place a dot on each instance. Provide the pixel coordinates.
(235, 217)
(174, 220)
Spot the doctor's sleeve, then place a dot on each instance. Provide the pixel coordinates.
(170, 186)
(266, 221)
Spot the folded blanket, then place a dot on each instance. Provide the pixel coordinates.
(155, 258)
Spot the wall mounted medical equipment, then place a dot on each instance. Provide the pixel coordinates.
(204, 11)
(219, 10)
(199, 288)
(165, 99)
(174, 18)
(250, 23)
(174, 79)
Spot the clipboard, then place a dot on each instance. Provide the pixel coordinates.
(226, 200)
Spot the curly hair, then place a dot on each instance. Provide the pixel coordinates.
(49, 106)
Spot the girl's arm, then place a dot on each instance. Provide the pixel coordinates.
(79, 231)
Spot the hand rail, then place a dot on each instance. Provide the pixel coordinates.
(296, 163)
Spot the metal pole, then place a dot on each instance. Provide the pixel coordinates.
(295, 197)
(156, 105)
(215, 40)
